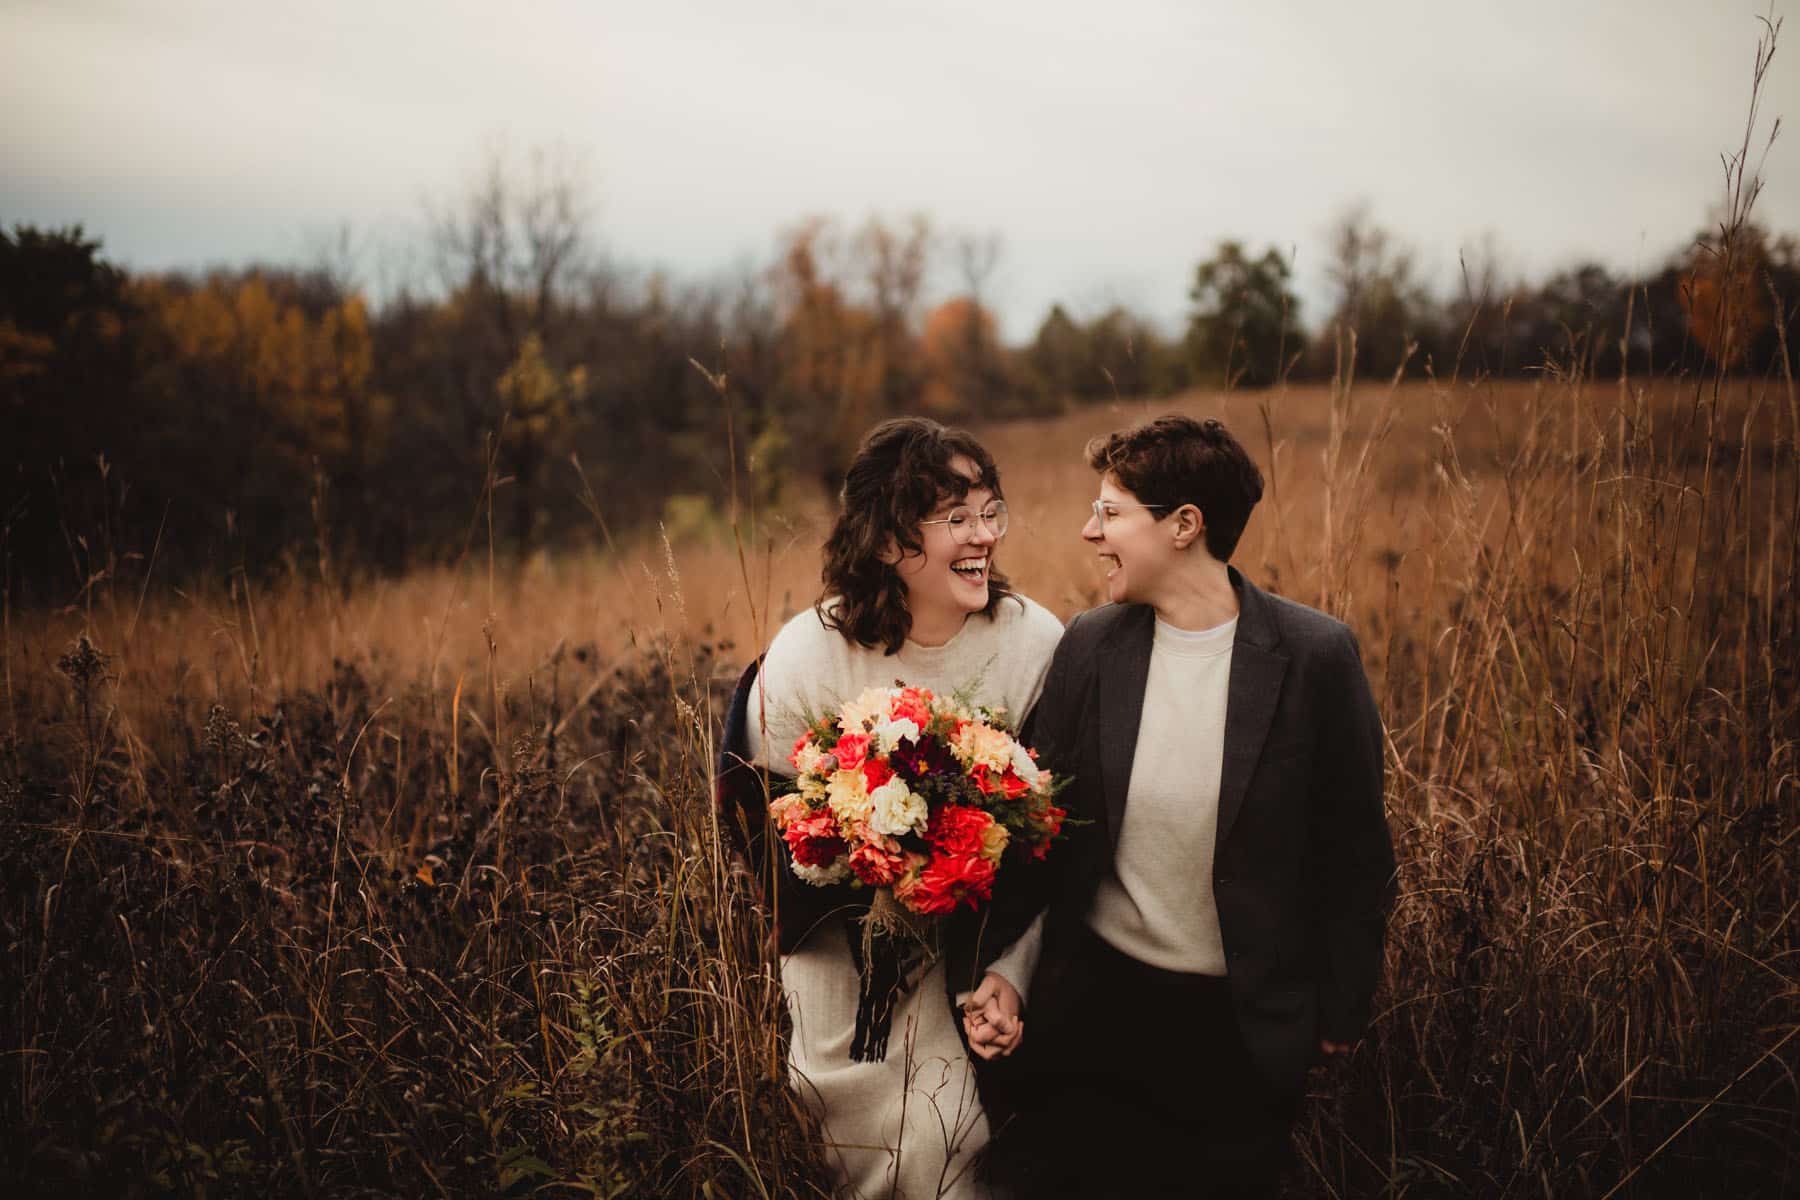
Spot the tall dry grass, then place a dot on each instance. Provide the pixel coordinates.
(414, 885)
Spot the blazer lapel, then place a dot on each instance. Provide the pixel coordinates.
(1124, 672)
(1252, 693)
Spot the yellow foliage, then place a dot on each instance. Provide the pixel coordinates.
(536, 394)
(308, 377)
(23, 354)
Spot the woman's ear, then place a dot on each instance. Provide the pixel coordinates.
(1189, 526)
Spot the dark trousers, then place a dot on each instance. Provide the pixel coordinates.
(1135, 1083)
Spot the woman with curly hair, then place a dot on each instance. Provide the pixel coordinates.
(911, 595)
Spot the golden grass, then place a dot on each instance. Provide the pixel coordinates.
(449, 835)
(1389, 545)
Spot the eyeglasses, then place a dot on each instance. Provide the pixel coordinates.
(1100, 507)
(962, 520)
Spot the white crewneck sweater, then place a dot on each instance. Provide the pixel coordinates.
(1157, 903)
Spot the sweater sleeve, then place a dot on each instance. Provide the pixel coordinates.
(1040, 635)
(1019, 961)
(776, 711)
(788, 689)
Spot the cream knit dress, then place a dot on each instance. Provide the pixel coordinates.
(909, 1126)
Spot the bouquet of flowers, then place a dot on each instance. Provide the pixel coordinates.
(922, 799)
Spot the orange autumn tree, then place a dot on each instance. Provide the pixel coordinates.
(835, 356)
(1724, 297)
(961, 350)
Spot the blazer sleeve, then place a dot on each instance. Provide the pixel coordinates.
(741, 790)
(1350, 852)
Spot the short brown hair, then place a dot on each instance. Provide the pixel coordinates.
(1175, 460)
(902, 471)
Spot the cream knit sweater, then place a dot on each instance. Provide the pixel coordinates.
(1157, 904)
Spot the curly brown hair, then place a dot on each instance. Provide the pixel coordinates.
(1177, 460)
(902, 471)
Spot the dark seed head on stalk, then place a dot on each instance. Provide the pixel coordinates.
(84, 663)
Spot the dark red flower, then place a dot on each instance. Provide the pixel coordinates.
(1051, 822)
(815, 841)
(925, 756)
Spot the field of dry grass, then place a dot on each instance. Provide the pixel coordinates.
(228, 638)
(384, 885)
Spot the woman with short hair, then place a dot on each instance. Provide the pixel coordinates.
(1215, 927)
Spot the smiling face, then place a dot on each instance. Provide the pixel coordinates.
(1135, 548)
(947, 580)
(893, 572)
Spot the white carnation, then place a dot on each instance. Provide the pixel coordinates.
(837, 872)
(889, 733)
(1023, 767)
(896, 810)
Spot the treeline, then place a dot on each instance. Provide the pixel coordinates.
(1723, 302)
(262, 416)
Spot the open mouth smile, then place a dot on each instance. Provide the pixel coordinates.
(972, 569)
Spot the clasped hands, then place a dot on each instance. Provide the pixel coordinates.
(991, 1018)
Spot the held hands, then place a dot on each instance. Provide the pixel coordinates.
(991, 1018)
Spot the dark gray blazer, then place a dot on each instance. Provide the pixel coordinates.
(1303, 865)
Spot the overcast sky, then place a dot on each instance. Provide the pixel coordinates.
(1110, 144)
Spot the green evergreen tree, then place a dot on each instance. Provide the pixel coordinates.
(1243, 325)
